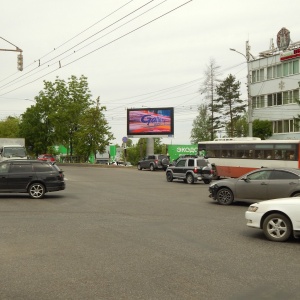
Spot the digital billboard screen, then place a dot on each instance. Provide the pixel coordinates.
(150, 122)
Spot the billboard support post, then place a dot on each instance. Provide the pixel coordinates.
(150, 146)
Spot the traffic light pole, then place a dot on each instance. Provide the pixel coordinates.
(19, 57)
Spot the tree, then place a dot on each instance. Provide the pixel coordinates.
(262, 129)
(9, 128)
(34, 131)
(94, 133)
(232, 106)
(68, 102)
(209, 89)
(240, 126)
(60, 111)
(201, 126)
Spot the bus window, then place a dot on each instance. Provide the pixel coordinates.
(211, 153)
(230, 153)
(278, 154)
(269, 155)
(245, 154)
(291, 156)
(259, 154)
(250, 154)
(227, 153)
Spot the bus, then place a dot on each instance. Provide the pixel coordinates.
(234, 157)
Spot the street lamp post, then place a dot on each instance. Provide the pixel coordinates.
(247, 56)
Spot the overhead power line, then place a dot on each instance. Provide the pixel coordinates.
(97, 49)
(69, 40)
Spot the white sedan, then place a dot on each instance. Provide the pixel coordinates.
(279, 218)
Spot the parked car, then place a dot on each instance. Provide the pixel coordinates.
(46, 157)
(279, 218)
(212, 165)
(261, 184)
(190, 170)
(154, 162)
(30, 176)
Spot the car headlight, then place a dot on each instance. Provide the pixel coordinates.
(253, 208)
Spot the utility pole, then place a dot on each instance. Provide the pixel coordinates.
(248, 58)
(19, 57)
(248, 90)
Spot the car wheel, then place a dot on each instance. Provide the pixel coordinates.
(190, 178)
(139, 167)
(296, 194)
(225, 196)
(277, 227)
(36, 190)
(151, 167)
(207, 181)
(169, 177)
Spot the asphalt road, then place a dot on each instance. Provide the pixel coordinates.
(120, 233)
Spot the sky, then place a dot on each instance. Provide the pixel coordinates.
(135, 54)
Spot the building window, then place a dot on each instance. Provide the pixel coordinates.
(291, 125)
(274, 72)
(285, 97)
(295, 97)
(258, 75)
(286, 126)
(296, 125)
(282, 98)
(262, 74)
(279, 71)
(280, 130)
(270, 100)
(279, 99)
(285, 69)
(262, 101)
(258, 102)
(269, 72)
(291, 71)
(295, 66)
(253, 76)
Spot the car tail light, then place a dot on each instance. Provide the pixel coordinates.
(156, 161)
(61, 175)
(195, 170)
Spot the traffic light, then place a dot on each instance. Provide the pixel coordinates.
(20, 62)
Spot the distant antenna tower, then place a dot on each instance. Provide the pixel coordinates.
(272, 45)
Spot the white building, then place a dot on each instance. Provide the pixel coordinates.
(274, 86)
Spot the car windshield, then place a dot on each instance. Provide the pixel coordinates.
(14, 152)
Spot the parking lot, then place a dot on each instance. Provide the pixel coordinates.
(120, 233)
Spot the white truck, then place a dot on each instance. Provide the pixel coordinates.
(12, 148)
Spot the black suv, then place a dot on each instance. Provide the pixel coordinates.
(30, 176)
(154, 162)
(190, 170)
